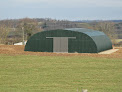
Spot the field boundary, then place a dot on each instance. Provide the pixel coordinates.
(109, 51)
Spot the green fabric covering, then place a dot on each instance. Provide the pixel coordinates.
(87, 41)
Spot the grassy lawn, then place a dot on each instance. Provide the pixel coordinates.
(59, 74)
(118, 40)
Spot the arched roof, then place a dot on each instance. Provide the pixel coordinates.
(88, 32)
(101, 40)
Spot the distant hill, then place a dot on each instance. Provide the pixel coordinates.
(90, 21)
(50, 24)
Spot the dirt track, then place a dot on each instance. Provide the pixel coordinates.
(19, 50)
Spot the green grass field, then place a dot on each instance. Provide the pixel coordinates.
(118, 40)
(59, 74)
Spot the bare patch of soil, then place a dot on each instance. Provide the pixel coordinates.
(19, 50)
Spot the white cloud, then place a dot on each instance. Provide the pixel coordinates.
(104, 3)
(87, 9)
(108, 3)
(29, 1)
(71, 3)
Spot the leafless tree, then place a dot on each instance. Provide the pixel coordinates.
(28, 27)
(108, 28)
(4, 30)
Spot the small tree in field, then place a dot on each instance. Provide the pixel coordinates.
(3, 33)
(108, 28)
(28, 26)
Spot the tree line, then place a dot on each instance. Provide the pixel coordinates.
(17, 30)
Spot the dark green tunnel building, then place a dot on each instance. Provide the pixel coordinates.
(73, 40)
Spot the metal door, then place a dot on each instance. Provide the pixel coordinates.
(60, 44)
(56, 44)
(64, 44)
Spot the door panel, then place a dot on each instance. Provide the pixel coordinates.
(60, 44)
(56, 44)
(64, 44)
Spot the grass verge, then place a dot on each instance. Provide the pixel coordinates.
(59, 74)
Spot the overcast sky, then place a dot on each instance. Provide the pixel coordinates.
(62, 9)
